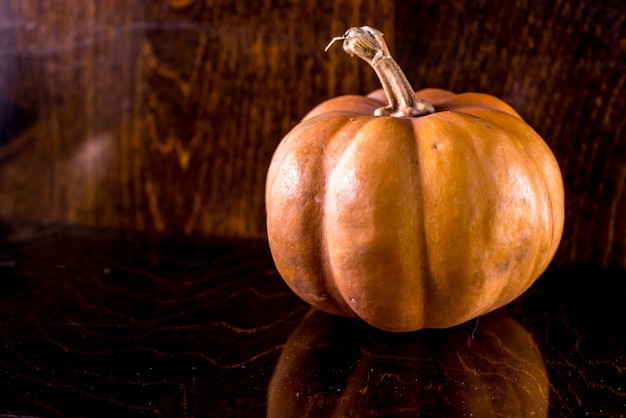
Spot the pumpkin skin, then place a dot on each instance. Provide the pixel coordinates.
(413, 222)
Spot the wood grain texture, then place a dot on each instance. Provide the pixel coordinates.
(163, 115)
(95, 322)
(86, 330)
(150, 115)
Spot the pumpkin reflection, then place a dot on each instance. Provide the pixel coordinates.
(333, 366)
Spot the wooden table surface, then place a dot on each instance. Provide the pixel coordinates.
(96, 322)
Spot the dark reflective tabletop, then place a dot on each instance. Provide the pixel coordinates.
(103, 323)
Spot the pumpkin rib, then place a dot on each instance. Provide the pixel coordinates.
(539, 155)
(473, 138)
(524, 270)
(368, 228)
(427, 273)
(315, 287)
(329, 224)
(331, 278)
(442, 288)
(507, 138)
(541, 192)
(539, 158)
(450, 260)
(283, 159)
(553, 194)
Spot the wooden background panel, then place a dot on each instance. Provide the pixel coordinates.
(164, 114)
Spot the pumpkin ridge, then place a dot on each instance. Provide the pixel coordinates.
(479, 159)
(362, 229)
(518, 156)
(537, 158)
(501, 281)
(314, 290)
(427, 274)
(520, 152)
(330, 278)
(527, 146)
(334, 275)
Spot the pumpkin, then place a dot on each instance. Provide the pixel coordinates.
(333, 367)
(411, 210)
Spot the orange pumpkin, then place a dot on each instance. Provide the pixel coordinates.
(423, 213)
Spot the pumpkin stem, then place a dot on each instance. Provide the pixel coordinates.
(368, 44)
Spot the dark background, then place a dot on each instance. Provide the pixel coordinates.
(135, 275)
(163, 115)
